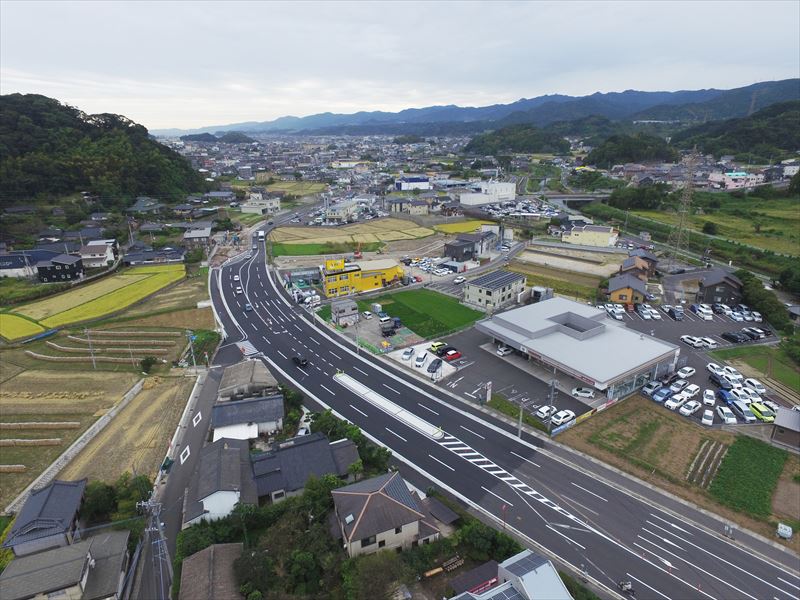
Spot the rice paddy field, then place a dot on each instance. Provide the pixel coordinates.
(376, 231)
(462, 226)
(87, 302)
(298, 188)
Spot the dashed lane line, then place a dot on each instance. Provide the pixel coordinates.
(399, 436)
(358, 411)
(442, 463)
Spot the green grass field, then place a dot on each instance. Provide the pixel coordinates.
(770, 360)
(748, 475)
(562, 282)
(426, 313)
(279, 249)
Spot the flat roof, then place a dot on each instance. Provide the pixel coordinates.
(496, 279)
(377, 265)
(577, 338)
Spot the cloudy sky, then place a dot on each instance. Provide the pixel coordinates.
(192, 64)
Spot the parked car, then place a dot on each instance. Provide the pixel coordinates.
(651, 388)
(709, 343)
(691, 341)
(676, 401)
(755, 385)
(761, 412)
(686, 372)
(562, 416)
(248, 307)
(582, 392)
(420, 360)
(736, 316)
(692, 390)
(732, 372)
(504, 350)
(408, 353)
(747, 331)
(714, 368)
(741, 395)
(367, 315)
(452, 355)
(708, 418)
(741, 410)
(435, 365)
(728, 418)
(460, 279)
(436, 346)
(678, 385)
(444, 350)
(691, 407)
(662, 394)
(299, 360)
(721, 380)
(752, 395)
(726, 396)
(734, 337)
(546, 411)
(757, 317)
(709, 397)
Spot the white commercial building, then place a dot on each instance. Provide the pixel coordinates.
(582, 342)
(490, 192)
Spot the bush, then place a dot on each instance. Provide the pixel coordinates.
(481, 542)
(710, 228)
(757, 297)
(147, 363)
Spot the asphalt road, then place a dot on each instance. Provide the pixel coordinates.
(579, 511)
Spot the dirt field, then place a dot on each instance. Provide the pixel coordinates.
(659, 446)
(184, 295)
(786, 500)
(379, 230)
(192, 318)
(137, 438)
(589, 263)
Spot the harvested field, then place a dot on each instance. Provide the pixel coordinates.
(137, 439)
(592, 264)
(192, 318)
(184, 295)
(387, 229)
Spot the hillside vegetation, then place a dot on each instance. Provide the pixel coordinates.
(620, 149)
(48, 148)
(765, 135)
(519, 138)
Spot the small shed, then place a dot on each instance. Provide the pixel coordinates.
(344, 312)
(786, 428)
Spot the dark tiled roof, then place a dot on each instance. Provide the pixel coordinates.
(626, 281)
(208, 574)
(48, 511)
(438, 510)
(252, 410)
(474, 577)
(718, 276)
(642, 253)
(496, 280)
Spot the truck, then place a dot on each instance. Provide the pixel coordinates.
(312, 300)
(260, 236)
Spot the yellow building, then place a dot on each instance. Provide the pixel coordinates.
(343, 279)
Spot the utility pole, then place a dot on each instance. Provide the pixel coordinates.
(91, 350)
(552, 398)
(162, 568)
(190, 335)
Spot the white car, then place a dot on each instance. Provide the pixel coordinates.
(691, 407)
(708, 418)
(546, 411)
(752, 395)
(420, 360)
(238, 290)
(709, 343)
(562, 416)
(757, 317)
(732, 373)
(644, 313)
(692, 341)
(678, 385)
(709, 397)
(714, 368)
(740, 394)
(737, 316)
(655, 314)
(615, 315)
(728, 418)
(459, 279)
(686, 372)
(676, 401)
(367, 315)
(408, 353)
(755, 385)
(582, 392)
(692, 390)
(666, 307)
(236, 278)
(504, 351)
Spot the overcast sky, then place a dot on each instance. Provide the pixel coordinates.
(192, 64)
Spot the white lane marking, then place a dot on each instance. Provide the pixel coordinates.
(496, 496)
(426, 408)
(472, 432)
(362, 372)
(357, 410)
(525, 459)
(588, 491)
(668, 564)
(185, 454)
(326, 389)
(196, 419)
(282, 354)
(658, 537)
(648, 586)
(266, 340)
(575, 502)
(390, 388)
(788, 583)
(298, 329)
(254, 326)
(681, 529)
(314, 340)
(400, 436)
(441, 463)
(332, 352)
(553, 529)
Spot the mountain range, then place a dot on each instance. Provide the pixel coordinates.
(687, 106)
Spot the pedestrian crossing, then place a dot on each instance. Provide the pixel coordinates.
(247, 348)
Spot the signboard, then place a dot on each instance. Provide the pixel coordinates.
(488, 391)
(335, 264)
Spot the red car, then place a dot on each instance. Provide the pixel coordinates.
(452, 355)
(417, 278)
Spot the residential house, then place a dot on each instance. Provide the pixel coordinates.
(48, 519)
(494, 290)
(197, 238)
(262, 206)
(226, 196)
(626, 289)
(247, 419)
(591, 235)
(482, 241)
(22, 263)
(719, 287)
(344, 312)
(64, 267)
(150, 256)
(633, 265)
(786, 428)
(209, 575)
(459, 250)
(408, 183)
(96, 255)
(224, 478)
(450, 209)
(380, 513)
(399, 205)
(284, 470)
(646, 256)
(183, 210)
(524, 576)
(93, 569)
(246, 379)
(418, 207)
(145, 205)
(100, 216)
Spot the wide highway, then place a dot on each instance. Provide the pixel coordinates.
(610, 527)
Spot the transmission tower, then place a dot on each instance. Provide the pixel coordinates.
(678, 235)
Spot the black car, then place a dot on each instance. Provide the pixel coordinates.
(300, 361)
(718, 309)
(722, 383)
(436, 363)
(735, 337)
(444, 350)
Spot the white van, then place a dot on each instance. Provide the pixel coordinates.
(705, 313)
(741, 409)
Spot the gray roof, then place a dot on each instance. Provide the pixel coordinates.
(289, 465)
(496, 280)
(642, 253)
(252, 410)
(246, 377)
(60, 568)
(208, 574)
(476, 237)
(788, 419)
(576, 338)
(474, 577)
(438, 510)
(627, 281)
(376, 505)
(538, 577)
(195, 234)
(62, 259)
(718, 276)
(47, 511)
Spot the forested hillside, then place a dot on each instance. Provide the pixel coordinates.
(50, 149)
(518, 138)
(620, 149)
(763, 136)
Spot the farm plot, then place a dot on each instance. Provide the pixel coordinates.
(14, 327)
(462, 226)
(378, 230)
(298, 188)
(137, 439)
(583, 263)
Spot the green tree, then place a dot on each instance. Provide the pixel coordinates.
(147, 363)
(374, 575)
(710, 228)
(100, 501)
(303, 572)
(794, 184)
(356, 469)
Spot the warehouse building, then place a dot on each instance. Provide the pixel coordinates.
(494, 290)
(581, 342)
(342, 279)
